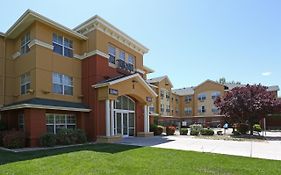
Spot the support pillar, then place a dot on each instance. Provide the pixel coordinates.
(145, 119)
(107, 117)
(112, 117)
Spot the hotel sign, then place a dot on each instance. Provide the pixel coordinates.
(148, 99)
(113, 91)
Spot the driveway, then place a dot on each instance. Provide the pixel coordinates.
(258, 149)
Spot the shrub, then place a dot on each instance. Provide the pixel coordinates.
(208, 132)
(183, 131)
(170, 130)
(48, 140)
(81, 136)
(196, 127)
(257, 128)
(71, 136)
(156, 129)
(236, 133)
(243, 128)
(13, 139)
(194, 132)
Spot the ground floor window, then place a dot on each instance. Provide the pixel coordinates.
(21, 121)
(55, 122)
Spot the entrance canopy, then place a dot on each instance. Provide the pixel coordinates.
(132, 85)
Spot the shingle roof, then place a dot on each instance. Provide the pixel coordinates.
(49, 102)
(158, 79)
(184, 91)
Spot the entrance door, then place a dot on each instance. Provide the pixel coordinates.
(122, 124)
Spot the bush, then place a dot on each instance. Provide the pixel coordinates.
(183, 131)
(207, 132)
(156, 129)
(257, 128)
(194, 132)
(243, 128)
(71, 136)
(196, 127)
(236, 133)
(13, 139)
(170, 130)
(48, 140)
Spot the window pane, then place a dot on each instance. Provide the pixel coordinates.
(122, 55)
(50, 128)
(131, 59)
(68, 52)
(22, 90)
(57, 48)
(57, 88)
(68, 90)
(131, 105)
(67, 80)
(71, 126)
(57, 78)
(60, 40)
(55, 38)
(112, 50)
(50, 119)
(71, 119)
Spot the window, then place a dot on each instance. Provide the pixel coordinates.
(122, 55)
(25, 40)
(215, 110)
(215, 95)
(151, 108)
(131, 63)
(55, 122)
(62, 84)
(21, 121)
(62, 46)
(202, 97)
(188, 98)
(112, 54)
(167, 108)
(162, 94)
(162, 108)
(188, 110)
(125, 103)
(202, 109)
(25, 82)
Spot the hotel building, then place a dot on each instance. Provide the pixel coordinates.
(91, 77)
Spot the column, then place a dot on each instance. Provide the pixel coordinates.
(146, 127)
(112, 117)
(107, 117)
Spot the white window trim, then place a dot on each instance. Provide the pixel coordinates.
(62, 45)
(62, 84)
(26, 42)
(25, 83)
(65, 119)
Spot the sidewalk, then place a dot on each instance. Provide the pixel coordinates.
(260, 149)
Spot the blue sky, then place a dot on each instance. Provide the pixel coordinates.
(190, 41)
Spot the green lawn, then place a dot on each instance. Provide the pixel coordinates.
(122, 159)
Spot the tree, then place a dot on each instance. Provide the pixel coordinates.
(222, 80)
(248, 104)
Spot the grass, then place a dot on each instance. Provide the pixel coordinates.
(124, 159)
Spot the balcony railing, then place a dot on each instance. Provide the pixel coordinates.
(124, 67)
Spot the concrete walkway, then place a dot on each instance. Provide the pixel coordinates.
(257, 149)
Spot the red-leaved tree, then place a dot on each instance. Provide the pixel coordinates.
(248, 104)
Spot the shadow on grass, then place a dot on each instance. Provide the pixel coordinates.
(9, 157)
(145, 141)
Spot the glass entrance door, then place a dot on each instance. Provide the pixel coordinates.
(124, 124)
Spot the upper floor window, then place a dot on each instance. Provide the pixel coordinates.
(131, 62)
(25, 40)
(202, 109)
(215, 110)
(188, 110)
(25, 82)
(112, 54)
(215, 95)
(62, 45)
(202, 97)
(188, 98)
(62, 84)
(122, 55)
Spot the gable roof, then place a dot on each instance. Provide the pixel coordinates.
(119, 79)
(29, 17)
(2, 34)
(158, 79)
(184, 91)
(96, 22)
(232, 85)
(211, 81)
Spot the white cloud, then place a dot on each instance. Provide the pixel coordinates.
(266, 73)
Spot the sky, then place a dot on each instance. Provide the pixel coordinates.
(188, 40)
